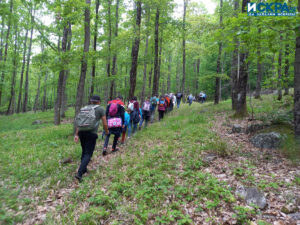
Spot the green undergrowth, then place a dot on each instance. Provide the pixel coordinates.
(159, 173)
(154, 178)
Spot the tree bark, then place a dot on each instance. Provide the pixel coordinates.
(6, 49)
(44, 107)
(64, 104)
(61, 85)
(235, 63)
(178, 88)
(183, 46)
(37, 96)
(84, 60)
(197, 75)
(59, 96)
(26, 88)
(259, 70)
(135, 49)
(297, 84)
(95, 48)
(241, 104)
(156, 66)
(1, 40)
(11, 105)
(286, 70)
(169, 73)
(159, 55)
(109, 45)
(279, 82)
(114, 61)
(150, 79)
(146, 54)
(22, 73)
(218, 79)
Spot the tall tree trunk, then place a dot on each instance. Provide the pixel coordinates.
(64, 103)
(156, 66)
(169, 73)
(109, 45)
(44, 103)
(84, 60)
(114, 61)
(286, 69)
(95, 48)
(135, 49)
(146, 54)
(1, 40)
(27, 68)
(297, 84)
(61, 78)
(218, 79)
(150, 79)
(11, 105)
(6, 48)
(197, 75)
(279, 82)
(178, 88)
(37, 96)
(259, 70)
(183, 47)
(235, 63)
(160, 54)
(22, 73)
(241, 104)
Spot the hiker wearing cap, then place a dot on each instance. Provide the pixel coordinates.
(87, 122)
(116, 123)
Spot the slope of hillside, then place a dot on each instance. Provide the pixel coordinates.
(183, 170)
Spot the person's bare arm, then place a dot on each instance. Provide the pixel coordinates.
(104, 122)
(76, 136)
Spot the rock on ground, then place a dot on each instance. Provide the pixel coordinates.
(236, 128)
(266, 140)
(252, 196)
(37, 122)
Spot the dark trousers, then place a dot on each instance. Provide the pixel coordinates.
(88, 143)
(117, 133)
(160, 114)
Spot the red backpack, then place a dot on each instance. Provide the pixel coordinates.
(113, 109)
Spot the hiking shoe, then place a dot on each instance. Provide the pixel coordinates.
(78, 177)
(115, 150)
(104, 153)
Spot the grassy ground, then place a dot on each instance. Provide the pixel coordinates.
(158, 176)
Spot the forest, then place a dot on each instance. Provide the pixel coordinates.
(186, 169)
(139, 48)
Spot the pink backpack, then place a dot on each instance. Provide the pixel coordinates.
(113, 109)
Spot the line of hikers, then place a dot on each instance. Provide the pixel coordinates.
(117, 120)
